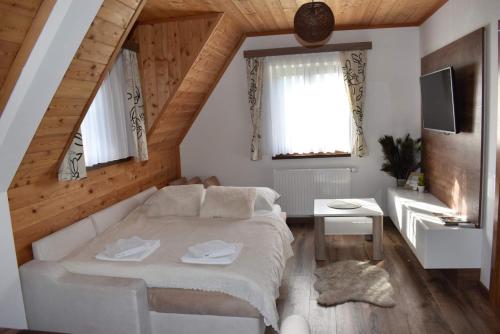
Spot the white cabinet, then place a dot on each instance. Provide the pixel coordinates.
(435, 245)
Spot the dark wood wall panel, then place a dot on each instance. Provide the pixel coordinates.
(453, 163)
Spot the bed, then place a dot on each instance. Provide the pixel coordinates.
(179, 298)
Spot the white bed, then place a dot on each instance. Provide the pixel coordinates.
(254, 277)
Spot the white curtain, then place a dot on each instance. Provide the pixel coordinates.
(308, 103)
(106, 130)
(255, 74)
(73, 165)
(354, 69)
(135, 105)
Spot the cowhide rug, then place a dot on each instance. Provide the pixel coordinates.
(353, 281)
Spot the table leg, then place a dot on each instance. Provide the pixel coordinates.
(319, 238)
(378, 237)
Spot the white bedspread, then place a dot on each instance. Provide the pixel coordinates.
(255, 276)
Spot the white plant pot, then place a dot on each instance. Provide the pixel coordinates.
(421, 189)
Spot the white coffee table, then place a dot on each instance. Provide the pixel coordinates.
(369, 208)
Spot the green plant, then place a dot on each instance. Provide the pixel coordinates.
(421, 180)
(399, 155)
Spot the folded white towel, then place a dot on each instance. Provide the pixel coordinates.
(132, 249)
(212, 248)
(221, 260)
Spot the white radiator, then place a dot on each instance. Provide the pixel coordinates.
(299, 187)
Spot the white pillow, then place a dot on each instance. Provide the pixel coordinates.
(183, 201)
(228, 202)
(265, 199)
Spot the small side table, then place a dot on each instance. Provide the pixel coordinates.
(369, 208)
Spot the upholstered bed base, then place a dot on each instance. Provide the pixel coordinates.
(59, 301)
(190, 323)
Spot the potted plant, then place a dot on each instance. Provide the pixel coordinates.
(421, 183)
(400, 156)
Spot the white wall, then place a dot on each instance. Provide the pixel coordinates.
(219, 141)
(454, 20)
(47, 63)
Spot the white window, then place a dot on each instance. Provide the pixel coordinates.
(106, 132)
(308, 103)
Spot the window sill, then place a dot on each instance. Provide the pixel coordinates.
(312, 156)
(109, 163)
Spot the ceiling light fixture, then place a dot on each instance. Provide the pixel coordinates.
(314, 22)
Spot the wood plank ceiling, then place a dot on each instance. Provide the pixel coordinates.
(271, 16)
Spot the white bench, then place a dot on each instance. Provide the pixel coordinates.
(436, 246)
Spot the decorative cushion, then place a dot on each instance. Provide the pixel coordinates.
(178, 182)
(211, 181)
(184, 201)
(195, 180)
(228, 202)
(59, 244)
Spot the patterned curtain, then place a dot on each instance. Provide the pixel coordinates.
(73, 165)
(354, 69)
(135, 105)
(255, 72)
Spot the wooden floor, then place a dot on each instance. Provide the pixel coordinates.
(426, 302)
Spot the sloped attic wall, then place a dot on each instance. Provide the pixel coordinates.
(16, 20)
(39, 203)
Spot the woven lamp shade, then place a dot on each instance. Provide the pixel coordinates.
(314, 22)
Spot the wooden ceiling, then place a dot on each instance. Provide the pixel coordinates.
(268, 16)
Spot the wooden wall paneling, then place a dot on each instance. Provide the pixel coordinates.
(20, 25)
(167, 51)
(39, 203)
(453, 163)
(269, 16)
(183, 105)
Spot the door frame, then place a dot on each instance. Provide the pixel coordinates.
(495, 255)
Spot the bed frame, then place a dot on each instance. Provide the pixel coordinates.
(60, 301)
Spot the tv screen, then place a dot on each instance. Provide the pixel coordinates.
(438, 103)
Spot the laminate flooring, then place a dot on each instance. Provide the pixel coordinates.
(426, 300)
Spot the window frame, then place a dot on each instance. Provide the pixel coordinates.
(309, 155)
(127, 45)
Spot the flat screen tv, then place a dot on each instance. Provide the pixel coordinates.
(438, 101)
